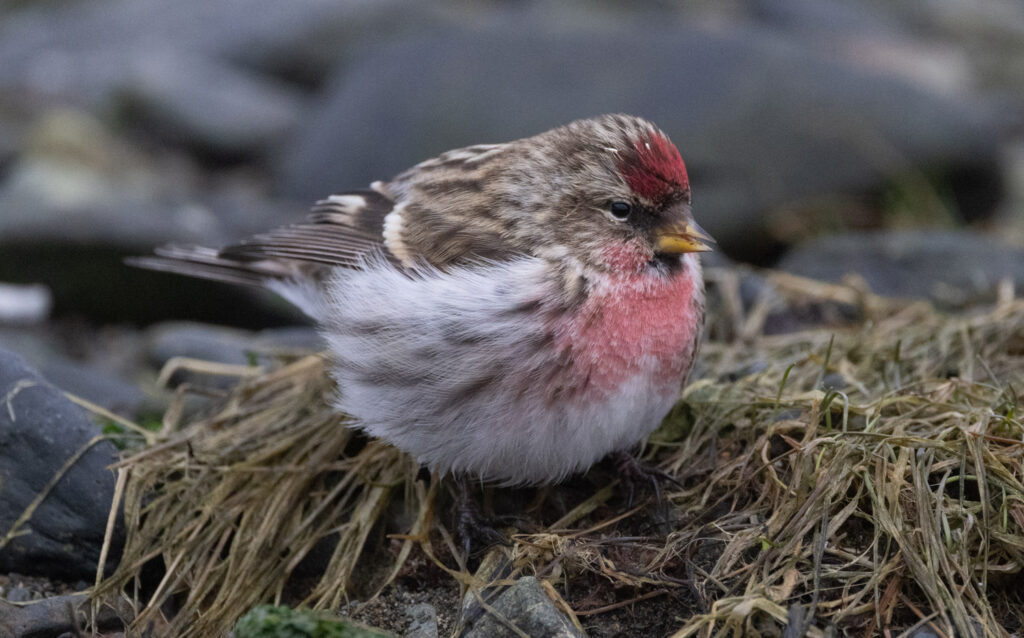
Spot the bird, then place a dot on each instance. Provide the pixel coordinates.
(508, 312)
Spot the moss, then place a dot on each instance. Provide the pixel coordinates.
(268, 621)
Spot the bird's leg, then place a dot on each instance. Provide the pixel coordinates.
(633, 473)
(474, 527)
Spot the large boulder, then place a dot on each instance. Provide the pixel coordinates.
(40, 432)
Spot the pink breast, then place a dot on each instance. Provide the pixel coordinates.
(632, 324)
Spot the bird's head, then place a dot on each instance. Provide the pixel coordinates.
(618, 195)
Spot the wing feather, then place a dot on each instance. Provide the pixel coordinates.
(342, 230)
(206, 263)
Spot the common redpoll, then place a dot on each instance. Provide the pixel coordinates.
(512, 312)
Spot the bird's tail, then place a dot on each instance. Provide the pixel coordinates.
(298, 283)
(208, 263)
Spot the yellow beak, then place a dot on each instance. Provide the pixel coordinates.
(687, 237)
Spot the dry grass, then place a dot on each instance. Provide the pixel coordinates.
(892, 499)
(233, 502)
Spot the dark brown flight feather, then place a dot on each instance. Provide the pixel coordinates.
(341, 230)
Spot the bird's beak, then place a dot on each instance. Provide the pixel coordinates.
(682, 237)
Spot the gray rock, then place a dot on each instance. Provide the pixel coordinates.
(762, 123)
(99, 376)
(783, 313)
(422, 621)
(83, 51)
(950, 268)
(754, 367)
(13, 124)
(78, 199)
(19, 595)
(524, 605)
(199, 341)
(990, 31)
(33, 343)
(868, 38)
(821, 16)
(204, 73)
(77, 182)
(54, 616)
(307, 54)
(224, 345)
(102, 387)
(294, 338)
(216, 108)
(833, 381)
(40, 430)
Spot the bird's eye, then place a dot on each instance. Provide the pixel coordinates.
(620, 210)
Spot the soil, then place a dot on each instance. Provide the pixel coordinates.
(606, 610)
(18, 588)
(422, 582)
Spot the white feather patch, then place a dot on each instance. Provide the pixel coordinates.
(393, 229)
(348, 203)
(479, 157)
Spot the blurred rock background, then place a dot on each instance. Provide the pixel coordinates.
(884, 137)
(822, 136)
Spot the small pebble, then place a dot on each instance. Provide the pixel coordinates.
(788, 415)
(19, 595)
(754, 367)
(422, 621)
(833, 381)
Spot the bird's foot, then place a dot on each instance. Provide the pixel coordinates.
(634, 473)
(477, 531)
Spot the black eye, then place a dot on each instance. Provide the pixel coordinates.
(620, 210)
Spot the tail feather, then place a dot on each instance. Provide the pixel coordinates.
(300, 283)
(207, 263)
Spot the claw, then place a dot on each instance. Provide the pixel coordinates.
(474, 527)
(631, 472)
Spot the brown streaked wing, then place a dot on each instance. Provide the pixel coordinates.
(447, 209)
(446, 238)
